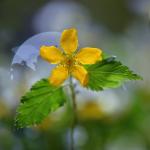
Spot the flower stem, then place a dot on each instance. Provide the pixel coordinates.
(73, 96)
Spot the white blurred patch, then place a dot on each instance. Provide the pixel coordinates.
(111, 102)
(141, 7)
(28, 52)
(80, 137)
(8, 88)
(59, 15)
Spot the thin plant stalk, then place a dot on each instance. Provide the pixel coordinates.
(74, 107)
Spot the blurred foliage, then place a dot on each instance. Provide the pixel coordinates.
(96, 131)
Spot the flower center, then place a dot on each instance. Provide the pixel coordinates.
(69, 61)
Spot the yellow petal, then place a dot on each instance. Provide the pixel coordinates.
(80, 73)
(58, 75)
(69, 40)
(89, 55)
(51, 54)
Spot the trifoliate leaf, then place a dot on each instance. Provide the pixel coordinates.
(42, 99)
(109, 74)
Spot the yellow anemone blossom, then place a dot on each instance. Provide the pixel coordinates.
(70, 61)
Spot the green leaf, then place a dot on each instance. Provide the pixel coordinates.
(109, 74)
(42, 99)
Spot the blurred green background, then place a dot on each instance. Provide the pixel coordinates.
(115, 119)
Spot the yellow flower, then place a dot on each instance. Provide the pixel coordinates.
(70, 62)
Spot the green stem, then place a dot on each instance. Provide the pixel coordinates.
(73, 96)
